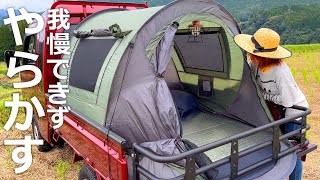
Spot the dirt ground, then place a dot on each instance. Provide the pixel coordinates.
(57, 164)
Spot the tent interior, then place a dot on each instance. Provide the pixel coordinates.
(204, 79)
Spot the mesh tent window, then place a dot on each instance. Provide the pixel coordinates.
(196, 58)
(88, 59)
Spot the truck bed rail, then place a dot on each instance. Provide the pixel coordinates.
(190, 170)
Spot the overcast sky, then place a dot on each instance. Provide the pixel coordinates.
(29, 5)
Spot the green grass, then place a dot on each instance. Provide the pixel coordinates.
(304, 74)
(6, 91)
(3, 69)
(303, 48)
(305, 62)
(294, 72)
(3, 72)
(78, 166)
(62, 168)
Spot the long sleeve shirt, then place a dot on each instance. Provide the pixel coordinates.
(278, 85)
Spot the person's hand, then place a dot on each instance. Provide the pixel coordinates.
(271, 97)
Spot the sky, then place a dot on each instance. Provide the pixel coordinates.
(29, 5)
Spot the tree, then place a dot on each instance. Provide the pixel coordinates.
(7, 38)
(297, 24)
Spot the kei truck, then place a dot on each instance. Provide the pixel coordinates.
(160, 93)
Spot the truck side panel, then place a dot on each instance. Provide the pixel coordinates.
(105, 156)
(43, 122)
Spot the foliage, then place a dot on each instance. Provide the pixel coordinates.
(62, 168)
(242, 8)
(7, 41)
(296, 24)
(6, 90)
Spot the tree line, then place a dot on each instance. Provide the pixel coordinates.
(296, 21)
(7, 41)
(297, 24)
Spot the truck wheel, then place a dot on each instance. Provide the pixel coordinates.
(86, 173)
(46, 147)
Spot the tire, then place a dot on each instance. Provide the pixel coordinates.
(46, 147)
(86, 173)
(61, 143)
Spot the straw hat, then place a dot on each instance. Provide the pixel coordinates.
(264, 43)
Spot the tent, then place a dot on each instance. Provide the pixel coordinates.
(159, 82)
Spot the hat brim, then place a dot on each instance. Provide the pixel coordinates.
(244, 41)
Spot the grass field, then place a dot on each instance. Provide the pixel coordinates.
(305, 66)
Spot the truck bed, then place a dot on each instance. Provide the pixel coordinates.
(254, 159)
(202, 128)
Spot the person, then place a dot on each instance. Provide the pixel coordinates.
(273, 76)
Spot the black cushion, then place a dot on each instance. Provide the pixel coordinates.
(185, 102)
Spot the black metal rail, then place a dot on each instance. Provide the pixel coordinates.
(190, 170)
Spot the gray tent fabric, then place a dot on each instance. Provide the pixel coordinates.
(151, 113)
(172, 78)
(164, 148)
(93, 32)
(161, 59)
(160, 63)
(162, 171)
(252, 112)
(144, 119)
